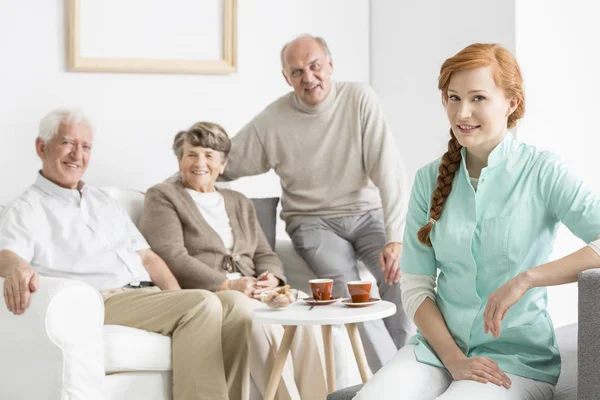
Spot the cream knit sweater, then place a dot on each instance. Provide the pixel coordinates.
(334, 159)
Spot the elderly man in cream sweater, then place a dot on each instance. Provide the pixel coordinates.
(344, 196)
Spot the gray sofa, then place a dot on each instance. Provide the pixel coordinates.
(579, 348)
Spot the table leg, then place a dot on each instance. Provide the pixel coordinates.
(329, 359)
(284, 349)
(359, 352)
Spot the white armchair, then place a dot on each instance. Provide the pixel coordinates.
(54, 350)
(59, 348)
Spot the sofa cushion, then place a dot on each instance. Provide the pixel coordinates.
(266, 211)
(130, 349)
(132, 201)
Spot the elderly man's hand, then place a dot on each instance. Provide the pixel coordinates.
(388, 261)
(18, 286)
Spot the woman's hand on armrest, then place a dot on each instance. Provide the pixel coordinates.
(432, 326)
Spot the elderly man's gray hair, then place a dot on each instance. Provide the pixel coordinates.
(50, 124)
(317, 39)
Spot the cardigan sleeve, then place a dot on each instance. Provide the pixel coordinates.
(161, 226)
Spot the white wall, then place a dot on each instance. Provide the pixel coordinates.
(137, 115)
(409, 42)
(557, 48)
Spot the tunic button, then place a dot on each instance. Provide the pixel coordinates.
(235, 257)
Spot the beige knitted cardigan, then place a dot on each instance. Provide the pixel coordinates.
(195, 253)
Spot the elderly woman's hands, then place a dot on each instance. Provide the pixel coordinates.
(265, 282)
(244, 285)
(250, 286)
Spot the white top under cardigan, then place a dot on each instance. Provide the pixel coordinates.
(212, 208)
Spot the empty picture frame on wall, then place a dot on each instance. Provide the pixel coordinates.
(152, 36)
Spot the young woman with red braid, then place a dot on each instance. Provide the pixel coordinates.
(481, 224)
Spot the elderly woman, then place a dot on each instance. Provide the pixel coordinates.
(209, 237)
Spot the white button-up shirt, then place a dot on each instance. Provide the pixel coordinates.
(66, 233)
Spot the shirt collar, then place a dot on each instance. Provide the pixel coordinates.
(53, 189)
(319, 108)
(501, 152)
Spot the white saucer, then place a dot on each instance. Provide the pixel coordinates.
(313, 302)
(349, 303)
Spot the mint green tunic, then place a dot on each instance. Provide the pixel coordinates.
(486, 237)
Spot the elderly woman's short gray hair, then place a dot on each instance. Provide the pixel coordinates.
(50, 124)
(205, 134)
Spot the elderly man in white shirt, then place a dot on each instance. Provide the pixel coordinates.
(61, 227)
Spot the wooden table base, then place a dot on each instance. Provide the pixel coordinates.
(329, 357)
(359, 352)
(284, 349)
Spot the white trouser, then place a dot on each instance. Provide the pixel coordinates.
(405, 378)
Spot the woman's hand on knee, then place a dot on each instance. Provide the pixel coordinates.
(479, 369)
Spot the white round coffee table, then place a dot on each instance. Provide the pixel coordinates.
(301, 313)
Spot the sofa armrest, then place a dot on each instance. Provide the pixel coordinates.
(54, 350)
(588, 352)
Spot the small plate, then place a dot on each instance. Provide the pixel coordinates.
(372, 300)
(313, 302)
(276, 309)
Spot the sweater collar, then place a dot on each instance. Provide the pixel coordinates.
(319, 108)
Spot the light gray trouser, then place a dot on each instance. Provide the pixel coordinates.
(331, 248)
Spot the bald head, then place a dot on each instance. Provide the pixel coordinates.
(299, 42)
